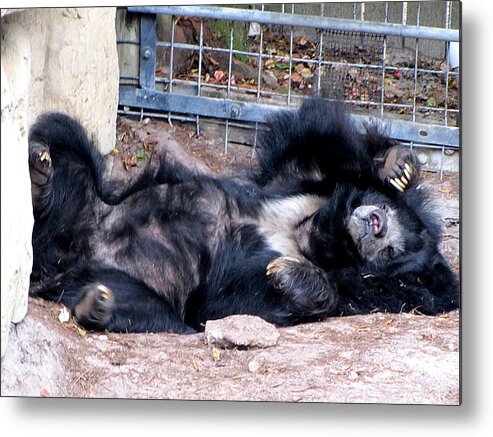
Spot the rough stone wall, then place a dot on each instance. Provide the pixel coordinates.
(74, 66)
(16, 207)
(53, 59)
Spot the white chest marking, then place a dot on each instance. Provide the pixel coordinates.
(279, 218)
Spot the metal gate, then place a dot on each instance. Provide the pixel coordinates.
(347, 59)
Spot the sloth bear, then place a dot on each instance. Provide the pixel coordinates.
(332, 222)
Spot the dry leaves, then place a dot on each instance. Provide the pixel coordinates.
(64, 315)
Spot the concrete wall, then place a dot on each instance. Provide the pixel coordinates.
(53, 59)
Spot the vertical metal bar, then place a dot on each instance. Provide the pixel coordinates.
(171, 61)
(384, 62)
(226, 134)
(416, 56)
(448, 18)
(290, 58)
(147, 51)
(259, 78)
(320, 54)
(415, 92)
(404, 20)
(199, 79)
(260, 52)
(362, 18)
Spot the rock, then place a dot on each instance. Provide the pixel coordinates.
(241, 331)
(17, 215)
(253, 366)
(73, 65)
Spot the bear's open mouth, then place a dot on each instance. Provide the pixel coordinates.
(377, 222)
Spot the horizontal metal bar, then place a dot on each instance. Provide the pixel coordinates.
(253, 91)
(325, 23)
(414, 132)
(258, 112)
(203, 106)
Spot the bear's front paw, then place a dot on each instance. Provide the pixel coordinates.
(398, 166)
(304, 285)
(279, 270)
(40, 171)
(39, 162)
(95, 308)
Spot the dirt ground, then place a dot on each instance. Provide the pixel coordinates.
(377, 358)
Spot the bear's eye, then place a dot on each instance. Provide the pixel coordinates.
(384, 208)
(390, 252)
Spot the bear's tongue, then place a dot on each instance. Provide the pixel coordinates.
(376, 223)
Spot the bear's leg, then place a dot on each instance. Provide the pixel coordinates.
(111, 300)
(306, 288)
(40, 170)
(126, 308)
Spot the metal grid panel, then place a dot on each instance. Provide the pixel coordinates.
(203, 76)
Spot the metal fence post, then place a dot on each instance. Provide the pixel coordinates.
(147, 51)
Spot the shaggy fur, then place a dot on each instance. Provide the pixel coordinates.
(318, 230)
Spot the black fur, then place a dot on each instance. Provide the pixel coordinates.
(316, 231)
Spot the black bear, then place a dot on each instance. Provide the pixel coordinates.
(332, 222)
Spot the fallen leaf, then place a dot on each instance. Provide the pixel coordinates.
(218, 75)
(282, 66)
(431, 102)
(306, 73)
(296, 78)
(270, 370)
(64, 315)
(196, 366)
(44, 393)
(445, 190)
(116, 150)
(129, 161)
(216, 354)
(81, 331)
(353, 374)
(443, 316)
(140, 155)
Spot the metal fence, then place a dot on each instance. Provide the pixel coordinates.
(237, 65)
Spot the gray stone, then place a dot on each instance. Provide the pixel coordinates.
(74, 66)
(241, 331)
(17, 216)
